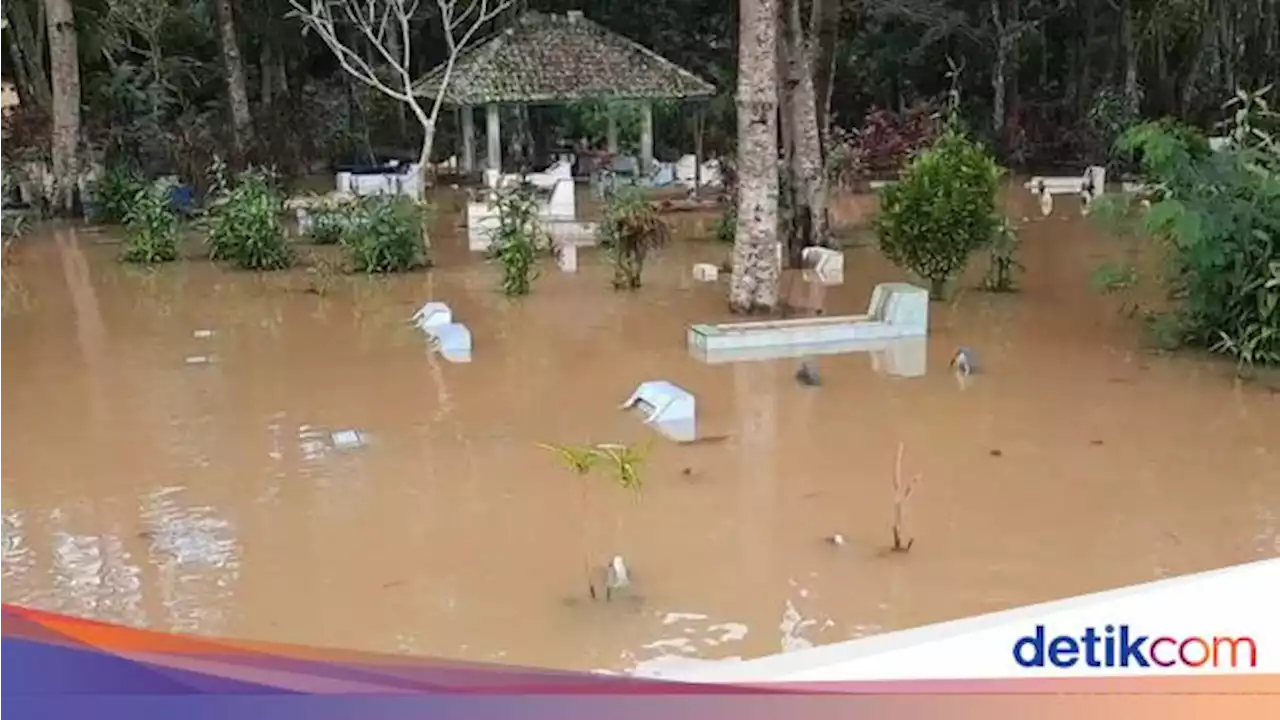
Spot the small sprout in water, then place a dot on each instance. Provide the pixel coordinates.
(901, 491)
(625, 464)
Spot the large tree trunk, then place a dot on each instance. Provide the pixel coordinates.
(826, 24)
(64, 62)
(28, 53)
(754, 285)
(238, 94)
(808, 187)
(1129, 48)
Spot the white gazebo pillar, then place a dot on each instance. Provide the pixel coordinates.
(611, 133)
(493, 148)
(468, 139)
(646, 136)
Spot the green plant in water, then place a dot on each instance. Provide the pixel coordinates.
(1112, 277)
(152, 226)
(942, 209)
(328, 222)
(1218, 219)
(624, 464)
(244, 221)
(383, 233)
(116, 192)
(518, 240)
(1002, 255)
(630, 230)
(727, 224)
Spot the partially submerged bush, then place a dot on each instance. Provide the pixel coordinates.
(631, 227)
(1002, 259)
(152, 226)
(328, 222)
(383, 234)
(941, 210)
(1218, 215)
(518, 240)
(115, 192)
(245, 227)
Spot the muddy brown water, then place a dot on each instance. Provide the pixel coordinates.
(209, 498)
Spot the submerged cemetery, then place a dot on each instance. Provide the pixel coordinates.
(595, 337)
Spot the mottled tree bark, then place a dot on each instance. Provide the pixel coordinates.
(64, 64)
(808, 179)
(754, 284)
(237, 92)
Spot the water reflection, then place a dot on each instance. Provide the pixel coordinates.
(197, 557)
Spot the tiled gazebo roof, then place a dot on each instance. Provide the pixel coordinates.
(561, 58)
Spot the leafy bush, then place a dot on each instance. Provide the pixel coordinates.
(884, 143)
(726, 228)
(942, 209)
(116, 192)
(631, 227)
(1218, 215)
(518, 240)
(245, 227)
(383, 233)
(328, 223)
(152, 226)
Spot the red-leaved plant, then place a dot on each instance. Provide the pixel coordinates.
(884, 143)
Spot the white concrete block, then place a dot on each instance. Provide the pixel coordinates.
(827, 264)
(896, 310)
(567, 257)
(669, 409)
(453, 340)
(705, 272)
(432, 314)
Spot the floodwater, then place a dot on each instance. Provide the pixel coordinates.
(170, 459)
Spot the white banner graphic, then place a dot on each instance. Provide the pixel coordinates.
(1220, 622)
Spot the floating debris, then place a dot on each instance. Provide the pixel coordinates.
(202, 334)
(965, 361)
(199, 360)
(837, 540)
(616, 576)
(347, 439)
(807, 375)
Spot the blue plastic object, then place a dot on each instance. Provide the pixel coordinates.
(182, 198)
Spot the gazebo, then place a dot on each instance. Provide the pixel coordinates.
(545, 59)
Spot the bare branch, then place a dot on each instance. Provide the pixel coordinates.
(387, 26)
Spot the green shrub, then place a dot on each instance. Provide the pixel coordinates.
(727, 224)
(245, 227)
(381, 233)
(631, 227)
(1218, 216)
(942, 209)
(115, 193)
(152, 226)
(518, 240)
(328, 222)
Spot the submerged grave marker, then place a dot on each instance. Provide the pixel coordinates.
(452, 339)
